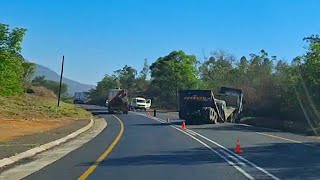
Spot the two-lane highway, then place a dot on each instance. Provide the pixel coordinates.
(137, 146)
(147, 149)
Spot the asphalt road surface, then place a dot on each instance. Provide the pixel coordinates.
(138, 146)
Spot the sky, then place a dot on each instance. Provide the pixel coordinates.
(98, 37)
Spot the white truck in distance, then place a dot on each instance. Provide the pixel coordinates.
(80, 98)
(140, 103)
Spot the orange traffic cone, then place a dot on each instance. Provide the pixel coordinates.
(184, 125)
(238, 147)
(168, 120)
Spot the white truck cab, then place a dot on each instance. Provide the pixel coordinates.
(140, 103)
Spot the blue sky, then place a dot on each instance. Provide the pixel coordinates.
(100, 36)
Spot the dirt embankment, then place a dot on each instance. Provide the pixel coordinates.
(31, 114)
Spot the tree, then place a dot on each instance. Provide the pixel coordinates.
(28, 71)
(39, 81)
(11, 72)
(216, 71)
(15, 72)
(54, 86)
(141, 82)
(11, 40)
(100, 93)
(51, 85)
(145, 70)
(126, 77)
(174, 72)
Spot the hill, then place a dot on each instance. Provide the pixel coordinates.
(73, 86)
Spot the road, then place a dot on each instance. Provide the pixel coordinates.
(138, 146)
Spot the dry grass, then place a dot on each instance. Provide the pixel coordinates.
(31, 107)
(30, 114)
(10, 129)
(43, 92)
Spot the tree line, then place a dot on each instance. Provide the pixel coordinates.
(272, 87)
(16, 74)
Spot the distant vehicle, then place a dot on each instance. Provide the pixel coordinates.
(200, 106)
(117, 100)
(80, 98)
(140, 103)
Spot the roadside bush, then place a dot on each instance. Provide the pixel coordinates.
(11, 72)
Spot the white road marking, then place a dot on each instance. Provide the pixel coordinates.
(223, 157)
(227, 151)
(188, 133)
(236, 155)
(234, 158)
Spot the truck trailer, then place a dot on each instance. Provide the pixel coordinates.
(118, 100)
(201, 106)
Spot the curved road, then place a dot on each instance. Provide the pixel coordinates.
(137, 146)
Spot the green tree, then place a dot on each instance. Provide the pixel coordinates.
(126, 77)
(174, 72)
(217, 70)
(54, 86)
(15, 72)
(28, 71)
(11, 40)
(39, 81)
(11, 72)
(99, 94)
(141, 82)
(51, 85)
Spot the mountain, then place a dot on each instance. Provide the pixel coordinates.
(73, 86)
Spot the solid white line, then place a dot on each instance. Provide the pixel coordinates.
(204, 144)
(243, 159)
(234, 158)
(227, 150)
(190, 132)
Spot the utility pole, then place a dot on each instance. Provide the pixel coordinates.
(61, 75)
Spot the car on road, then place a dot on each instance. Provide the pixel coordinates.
(140, 103)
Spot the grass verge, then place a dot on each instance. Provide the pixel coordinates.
(30, 107)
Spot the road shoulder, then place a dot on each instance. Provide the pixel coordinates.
(27, 146)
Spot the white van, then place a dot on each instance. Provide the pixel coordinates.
(140, 103)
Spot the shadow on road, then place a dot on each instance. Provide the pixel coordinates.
(287, 160)
(158, 124)
(97, 110)
(284, 160)
(190, 157)
(232, 127)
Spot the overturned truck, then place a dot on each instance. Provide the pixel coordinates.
(117, 100)
(202, 106)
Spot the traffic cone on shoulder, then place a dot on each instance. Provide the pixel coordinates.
(184, 125)
(168, 120)
(238, 147)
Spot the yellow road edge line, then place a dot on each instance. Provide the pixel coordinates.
(86, 174)
(278, 137)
